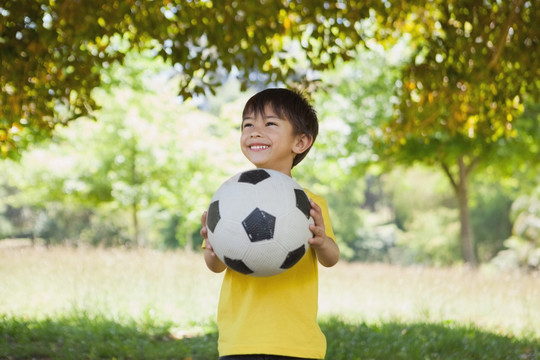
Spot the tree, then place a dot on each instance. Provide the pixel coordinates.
(128, 177)
(51, 52)
(463, 94)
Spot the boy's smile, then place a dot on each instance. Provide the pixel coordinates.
(256, 147)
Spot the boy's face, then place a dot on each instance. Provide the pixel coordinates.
(269, 142)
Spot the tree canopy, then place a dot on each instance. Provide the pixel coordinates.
(470, 76)
(51, 52)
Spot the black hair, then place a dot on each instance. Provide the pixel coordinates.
(289, 105)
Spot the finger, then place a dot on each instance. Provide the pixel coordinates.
(314, 205)
(204, 229)
(317, 231)
(203, 218)
(314, 241)
(317, 217)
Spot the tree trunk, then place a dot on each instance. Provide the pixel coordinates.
(466, 234)
(459, 184)
(135, 204)
(135, 222)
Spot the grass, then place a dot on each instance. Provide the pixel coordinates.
(84, 337)
(65, 303)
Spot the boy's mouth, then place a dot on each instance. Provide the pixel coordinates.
(258, 147)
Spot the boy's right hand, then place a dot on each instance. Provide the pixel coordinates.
(204, 229)
(204, 233)
(210, 257)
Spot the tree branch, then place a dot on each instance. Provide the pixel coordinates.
(450, 176)
(514, 7)
(472, 164)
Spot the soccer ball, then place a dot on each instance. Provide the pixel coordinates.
(258, 222)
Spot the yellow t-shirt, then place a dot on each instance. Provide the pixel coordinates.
(274, 315)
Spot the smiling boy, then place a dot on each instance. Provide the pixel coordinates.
(263, 318)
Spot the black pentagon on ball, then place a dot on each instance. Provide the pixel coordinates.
(259, 225)
(302, 201)
(253, 176)
(213, 216)
(293, 257)
(238, 265)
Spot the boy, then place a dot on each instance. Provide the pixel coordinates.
(263, 318)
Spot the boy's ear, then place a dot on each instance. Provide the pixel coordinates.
(303, 142)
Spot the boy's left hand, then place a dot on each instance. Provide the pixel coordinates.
(325, 247)
(318, 229)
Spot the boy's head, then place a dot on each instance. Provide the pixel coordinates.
(288, 105)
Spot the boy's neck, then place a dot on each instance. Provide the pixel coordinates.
(286, 171)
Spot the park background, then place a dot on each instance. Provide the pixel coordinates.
(118, 120)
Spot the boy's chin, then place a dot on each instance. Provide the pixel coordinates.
(259, 163)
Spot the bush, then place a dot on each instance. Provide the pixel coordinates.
(522, 249)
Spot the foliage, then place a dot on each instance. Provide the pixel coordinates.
(463, 91)
(120, 180)
(343, 193)
(431, 238)
(522, 248)
(181, 154)
(423, 209)
(355, 103)
(348, 138)
(53, 51)
(338, 163)
(491, 220)
(468, 79)
(462, 102)
(466, 96)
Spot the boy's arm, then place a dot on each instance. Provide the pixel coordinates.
(325, 247)
(210, 258)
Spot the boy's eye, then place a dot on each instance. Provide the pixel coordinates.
(246, 125)
(271, 123)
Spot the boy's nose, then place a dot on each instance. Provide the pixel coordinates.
(255, 132)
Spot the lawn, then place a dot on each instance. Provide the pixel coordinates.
(63, 303)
